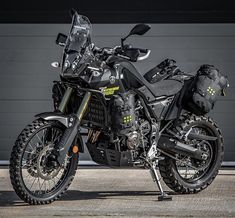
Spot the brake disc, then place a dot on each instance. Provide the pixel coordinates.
(31, 163)
(43, 171)
(207, 149)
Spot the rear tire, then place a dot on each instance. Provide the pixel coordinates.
(168, 167)
(16, 168)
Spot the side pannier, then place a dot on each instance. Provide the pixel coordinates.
(204, 90)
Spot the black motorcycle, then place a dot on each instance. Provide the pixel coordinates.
(129, 120)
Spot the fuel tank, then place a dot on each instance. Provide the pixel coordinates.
(108, 78)
(119, 76)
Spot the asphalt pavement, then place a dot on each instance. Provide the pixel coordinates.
(123, 192)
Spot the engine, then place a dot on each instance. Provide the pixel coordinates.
(126, 122)
(129, 134)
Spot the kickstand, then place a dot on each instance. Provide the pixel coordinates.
(164, 196)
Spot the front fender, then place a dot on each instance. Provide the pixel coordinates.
(65, 120)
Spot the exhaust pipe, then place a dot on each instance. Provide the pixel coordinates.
(171, 145)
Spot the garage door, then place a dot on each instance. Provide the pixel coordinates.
(26, 51)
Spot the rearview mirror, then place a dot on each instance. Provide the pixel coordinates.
(139, 29)
(61, 39)
(72, 12)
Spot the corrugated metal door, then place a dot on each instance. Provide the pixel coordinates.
(26, 51)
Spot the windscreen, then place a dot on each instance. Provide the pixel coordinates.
(79, 35)
(77, 43)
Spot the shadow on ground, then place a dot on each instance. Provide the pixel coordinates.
(9, 198)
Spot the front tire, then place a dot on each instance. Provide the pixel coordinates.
(169, 170)
(30, 157)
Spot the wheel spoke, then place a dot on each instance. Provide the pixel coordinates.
(53, 179)
(25, 164)
(39, 138)
(39, 184)
(45, 184)
(48, 182)
(56, 136)
(189, 168)
(43, 136)
(186, 172)
(30, 146)
(32, 183)
(34, 162)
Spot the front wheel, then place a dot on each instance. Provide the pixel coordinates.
(185, 174)
(35, 174)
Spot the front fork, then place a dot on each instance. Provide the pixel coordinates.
(70, 133)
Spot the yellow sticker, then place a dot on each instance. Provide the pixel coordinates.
(127, 119)
(110, 91)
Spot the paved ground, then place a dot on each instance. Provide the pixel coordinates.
(127, 193)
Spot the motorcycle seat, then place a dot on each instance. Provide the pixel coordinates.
(165, 87)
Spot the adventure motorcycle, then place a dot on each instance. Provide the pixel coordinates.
(131, 120)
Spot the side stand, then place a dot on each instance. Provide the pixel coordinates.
(164, 196)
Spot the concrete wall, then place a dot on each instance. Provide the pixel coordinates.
(26, 51)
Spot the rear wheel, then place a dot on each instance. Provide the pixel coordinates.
(35, 174)
(188, 175)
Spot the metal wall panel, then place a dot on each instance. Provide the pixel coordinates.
(26, 51)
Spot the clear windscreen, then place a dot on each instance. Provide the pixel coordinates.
(76, 50)
(79, 35)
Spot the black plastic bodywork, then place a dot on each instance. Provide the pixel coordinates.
(120, 76)
(159, 97)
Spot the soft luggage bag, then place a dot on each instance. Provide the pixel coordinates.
(207, 85)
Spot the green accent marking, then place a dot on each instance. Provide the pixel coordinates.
(110, 91)
(127, 119)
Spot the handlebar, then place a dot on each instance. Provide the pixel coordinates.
(119, 50)
(108, 51)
